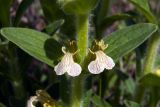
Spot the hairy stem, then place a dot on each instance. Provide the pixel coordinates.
(78, 82)
(82, 33)
(77, 91)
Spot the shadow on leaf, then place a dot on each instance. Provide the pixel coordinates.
(52, 49)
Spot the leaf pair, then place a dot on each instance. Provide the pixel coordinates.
(46, 49)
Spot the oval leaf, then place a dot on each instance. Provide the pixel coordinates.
(37, 44)
(123, 41)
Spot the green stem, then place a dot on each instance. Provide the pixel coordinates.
(151, 53)
(78, 82)
(82, 33)
(77, 91)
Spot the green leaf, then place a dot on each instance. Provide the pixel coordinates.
(150, 80)
(2, 105)
(102, 10)
(5, 11)
(125, 40)
(128, 86)
(21, 9)
(107, 21)
(87, 99)
(79, 7)
(143, 7)
(53, 27)
(52, 10)
(37, 44)
(99, 102)
(131, 104)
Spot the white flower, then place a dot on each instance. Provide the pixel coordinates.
(101, 62)
(68, 65)
(31, 101)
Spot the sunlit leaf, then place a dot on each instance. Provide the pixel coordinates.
(37, 44)
(125, 40)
